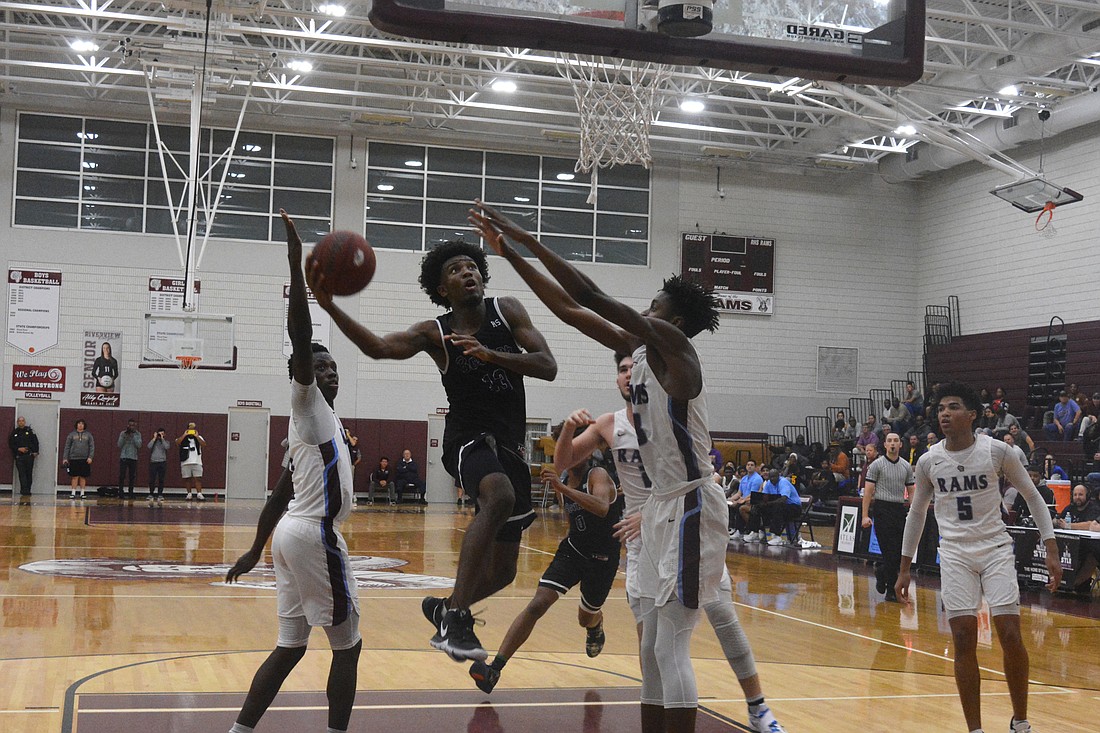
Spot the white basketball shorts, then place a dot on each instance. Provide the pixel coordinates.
(971, 570)
(312, 573)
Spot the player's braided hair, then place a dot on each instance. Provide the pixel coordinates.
(316, 349)
(431, 267)
(694, 303)
(964, 392)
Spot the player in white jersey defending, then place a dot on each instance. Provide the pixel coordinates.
(684, 520)
(617, 430)
(960, 473)
(313, 579)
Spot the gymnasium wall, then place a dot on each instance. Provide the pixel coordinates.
(846, 250)
(988, 253)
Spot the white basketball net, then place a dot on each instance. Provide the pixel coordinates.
(616, 101)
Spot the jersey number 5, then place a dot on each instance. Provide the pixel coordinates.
(965, 510)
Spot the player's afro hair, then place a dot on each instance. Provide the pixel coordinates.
(964, 392)
(431, 267)
(694, 303)
(315, 347)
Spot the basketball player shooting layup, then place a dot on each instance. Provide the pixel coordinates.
(313, 578)
(961, 474)
(685, 518)
(483, 347)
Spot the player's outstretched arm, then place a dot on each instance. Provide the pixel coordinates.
(569, 450)
(675, 364)
(299, 325)
(423, 336)
(549, 292)
(269, 517)
(598, 504)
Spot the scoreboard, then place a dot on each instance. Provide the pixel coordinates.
(738, 269)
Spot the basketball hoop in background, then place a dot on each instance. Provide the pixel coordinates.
(1044, 222)
(616, 100)
(188, 355)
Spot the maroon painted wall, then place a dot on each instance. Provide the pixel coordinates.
(376, 438)
(7, 465)
(105, 427)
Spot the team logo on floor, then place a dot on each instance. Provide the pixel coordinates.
(369, 572)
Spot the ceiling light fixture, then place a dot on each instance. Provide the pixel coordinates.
(336, 11)
(566, 176)
(385, 186)
(504, 85)
(905, 130)
(83, 46)
(302, 67)
(692, 106)
(414, 163)
(1010, 91)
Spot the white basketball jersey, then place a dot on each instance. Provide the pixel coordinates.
(628, 464)
(672, 434)
(965, 489)
(322, 473)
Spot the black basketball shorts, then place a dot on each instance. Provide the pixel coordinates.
(472, 460)
(595, 573)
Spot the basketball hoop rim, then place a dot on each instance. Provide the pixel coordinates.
(188, 361)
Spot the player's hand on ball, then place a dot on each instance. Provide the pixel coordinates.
(629, 527)
(245, 563)
(315, 279)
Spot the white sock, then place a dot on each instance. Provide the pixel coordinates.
(238, 728)
(334, 730)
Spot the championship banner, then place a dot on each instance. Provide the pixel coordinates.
(849, 521)
(37, 378)
(738, 269)
(100, 386)
(321, 320)
(34, 308)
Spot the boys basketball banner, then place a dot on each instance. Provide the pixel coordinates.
(738, 269)
(99, 386)
(34, 306)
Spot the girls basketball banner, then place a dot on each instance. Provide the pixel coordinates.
(738, 269)
(100, 384)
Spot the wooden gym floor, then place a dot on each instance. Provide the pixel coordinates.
(113, 618)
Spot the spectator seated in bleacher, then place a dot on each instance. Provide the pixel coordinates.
(851, 434)
(1016, 450)
(1022, 439)
(985, 398)
(822, 486)
(1053, 470)
(380, 480)
(1083, 513)
(870, 453)
(866, 438)
(715, 457)
(986, 422)
(1067, 419)
(930, 440)
(912, 449)
(920, 429)
(780, 507)
(794, 469)
(913, 401)
(817, 454)
(1005, 419)
(841, 466)
(840, 427)
(406, 478)
(898, 416)
(1020, 507)
(883, 430)
(800, 447)
(730, 480)
(750, 482)
(1090, 410)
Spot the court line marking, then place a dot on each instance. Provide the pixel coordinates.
(46, 711)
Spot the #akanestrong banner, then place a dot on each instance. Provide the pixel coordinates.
(100, 384)
(34, 307)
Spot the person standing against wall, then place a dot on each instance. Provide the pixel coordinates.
(158, 464)
(77, 457)
(129, 444)
(191, 445)
(24, 448)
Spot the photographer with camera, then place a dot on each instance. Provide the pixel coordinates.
(191, 445)
(158, 463)
(129, 443)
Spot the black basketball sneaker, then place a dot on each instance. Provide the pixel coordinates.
(456, 636)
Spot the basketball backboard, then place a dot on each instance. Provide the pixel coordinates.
(168, 336)
(1033, 194)
(856, 41)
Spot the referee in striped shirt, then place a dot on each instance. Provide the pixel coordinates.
(888, 480)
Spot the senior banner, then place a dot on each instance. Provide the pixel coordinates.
(101, 382)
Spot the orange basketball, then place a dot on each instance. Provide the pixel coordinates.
(346, 260)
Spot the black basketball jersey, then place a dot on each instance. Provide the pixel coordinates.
(483, 397)
(591, 534)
